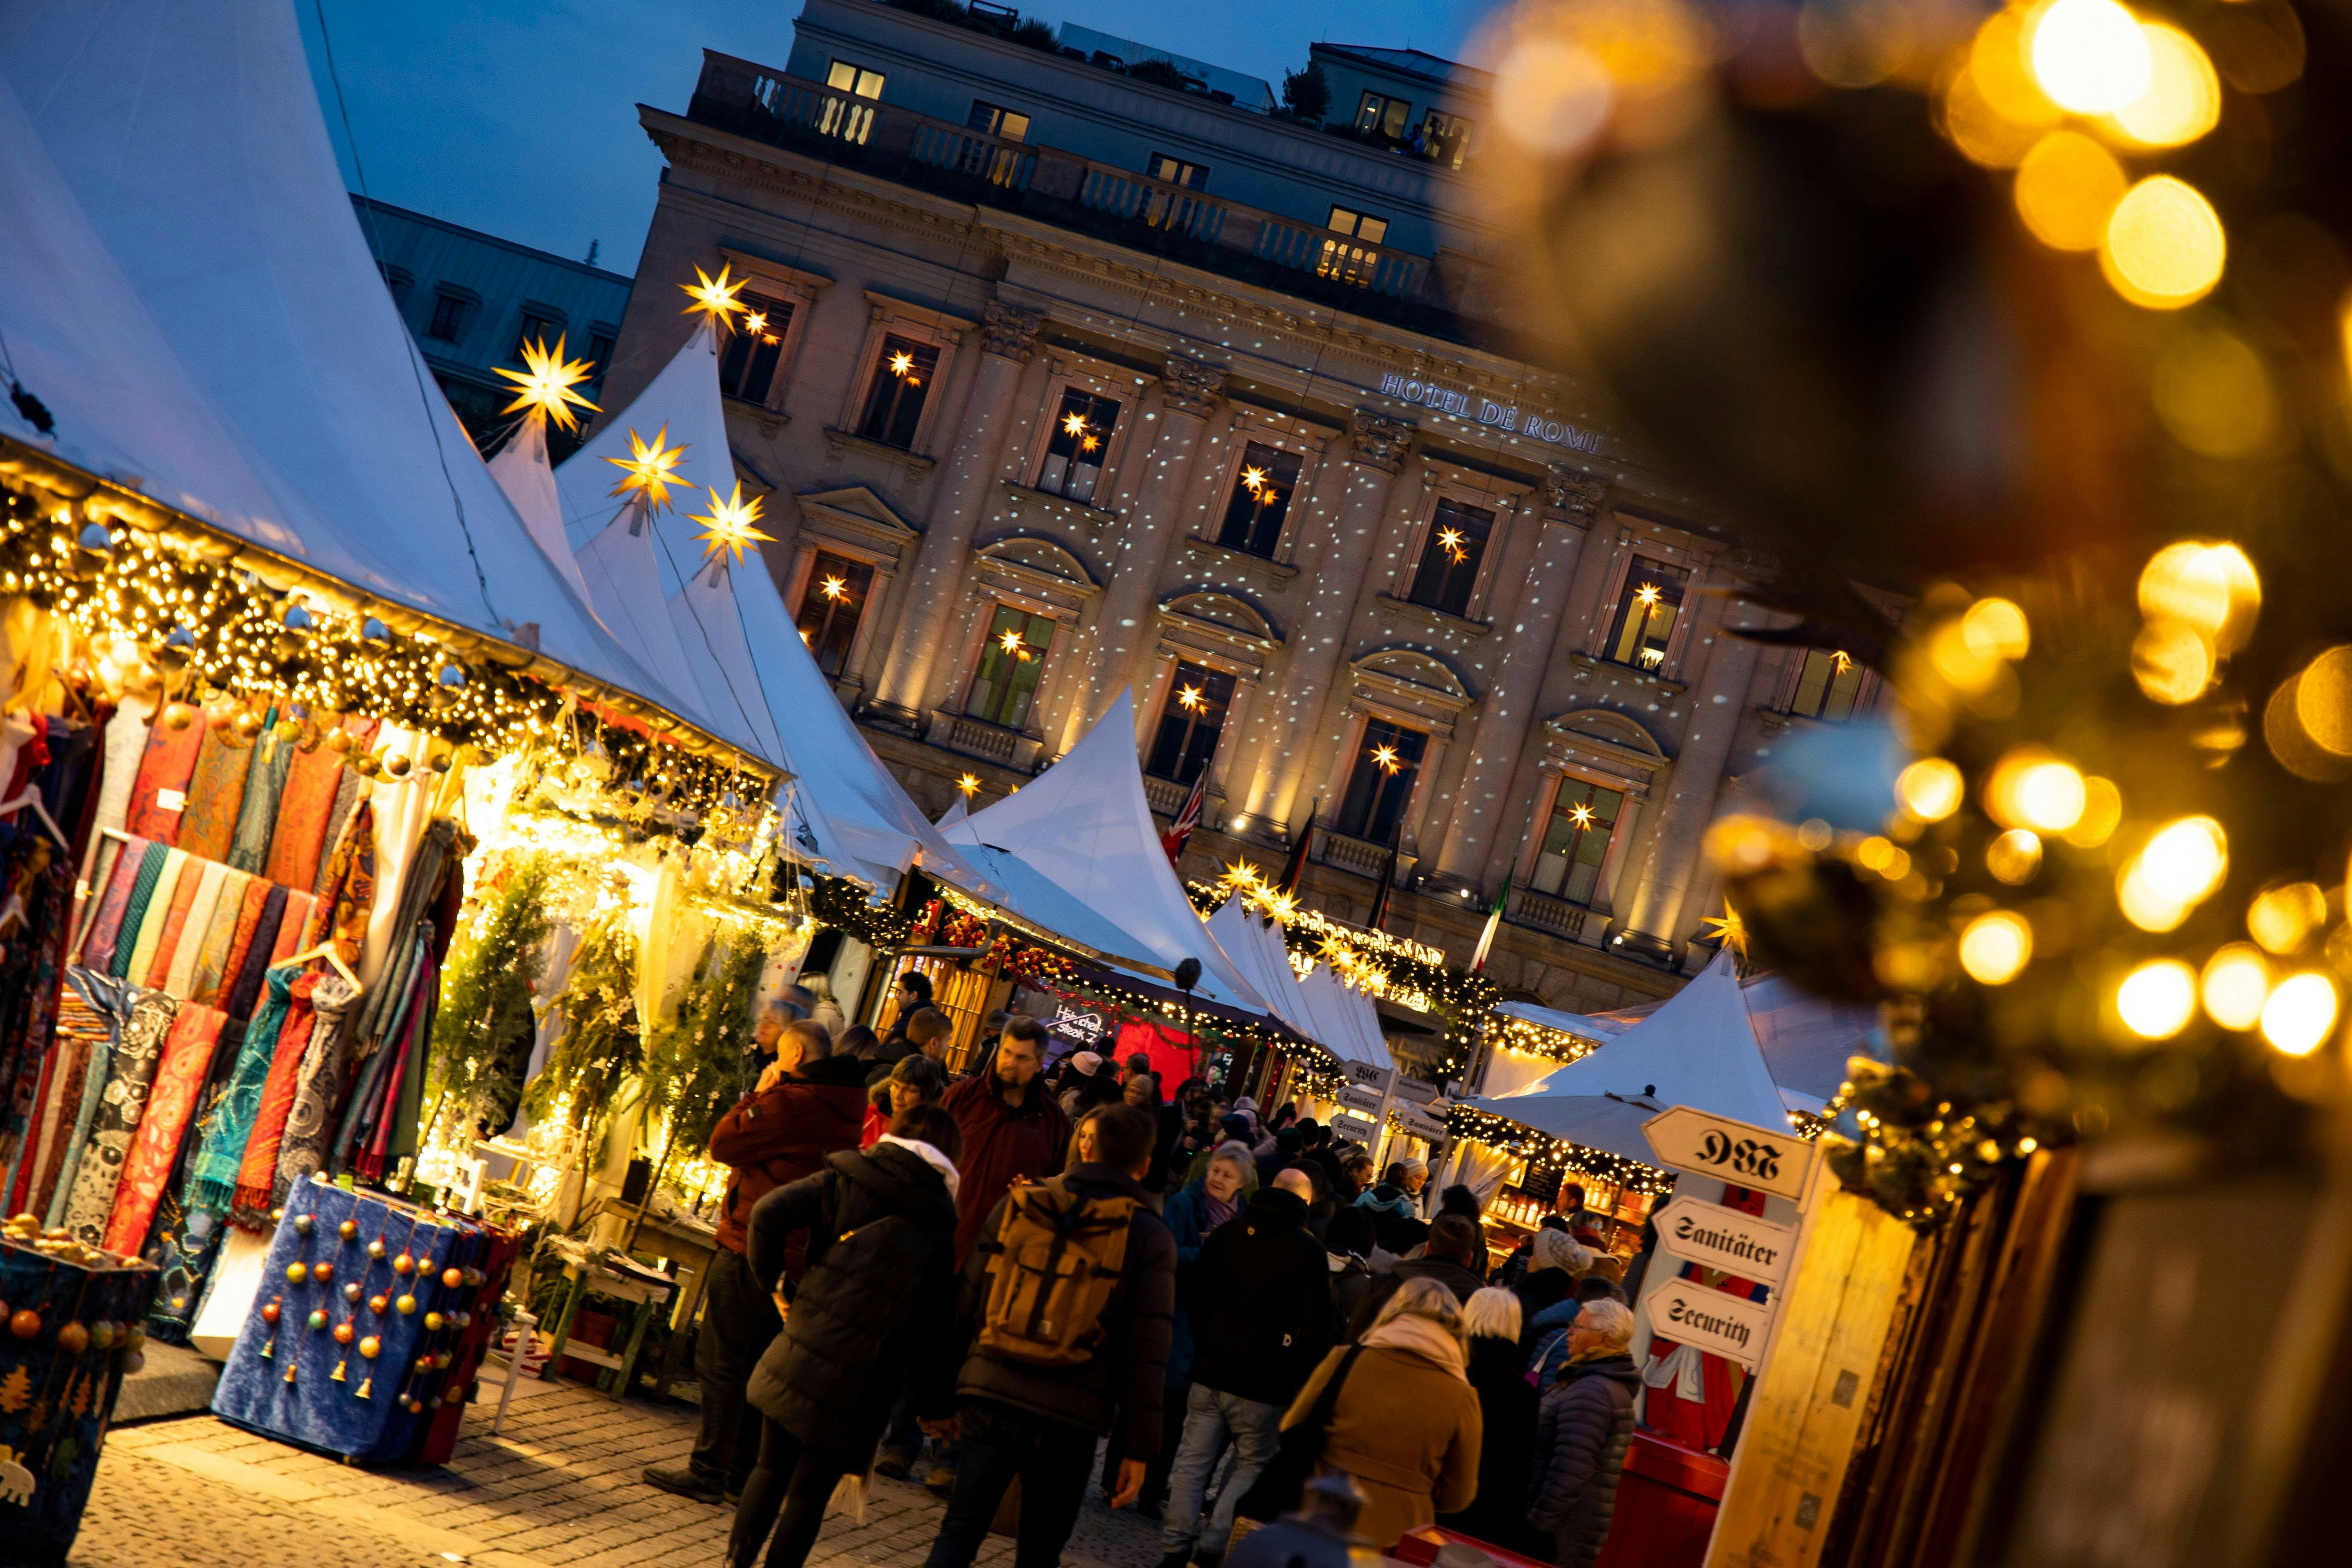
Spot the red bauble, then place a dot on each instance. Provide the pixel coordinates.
(342, 1333)
(269, 1310)
(24, 1324)
(73, 1339)
(324, 1273)
(453, 1278)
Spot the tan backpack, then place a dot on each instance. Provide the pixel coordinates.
(1052, 1267)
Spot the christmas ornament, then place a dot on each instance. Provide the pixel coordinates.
(371, 1347)
(379, 1303)
(269, 1310)
(297, 1272)
(318, 1319)
(25, 1323)
(101, 1335)
(404, 1265)
(73, 1339)
(365, 1384)
(452, 1277)
(349, 1229)
(302, 1224)
(407, 1305)
(324, 1273)
(343, 1333)
(375, 1248)
(433, 1323)
(352, 1291)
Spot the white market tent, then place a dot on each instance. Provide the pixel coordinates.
(1698, 1050)
(1085, 827)
(187, 143)
(1341, 1020)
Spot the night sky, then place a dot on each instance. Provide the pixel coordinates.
(521, 119)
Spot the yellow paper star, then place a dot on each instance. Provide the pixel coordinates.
(730, 522)
(1386, 757)
(1451, 539)
(1075, 424)
(649, 471)
(1190, 698)
(757, 321)
(1252, 480)
(1582, 815)
(715, 297)
(835, 589)
(544, 384)
(1842, 661)
(968, 784)
(902, 363)
(1730, 930)
(1648, 597)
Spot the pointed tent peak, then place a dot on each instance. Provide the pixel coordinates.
(956, 812)
(522, 471)
(624, 587)
(545, 386)
(682, 400)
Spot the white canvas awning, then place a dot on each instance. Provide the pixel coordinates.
(1341, 1020)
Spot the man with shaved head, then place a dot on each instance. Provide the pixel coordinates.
(1262, 1315)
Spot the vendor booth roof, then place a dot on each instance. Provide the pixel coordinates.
(1698, 1050)
(1339, 1020)
(189, 136)
(1085, 825)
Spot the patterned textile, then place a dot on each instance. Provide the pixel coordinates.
(167, 764)
(187, 1243)
(154, 1148)
(211, 1182)
(216, 791)
(134, 910)
(60, 1100)
(97, 947)
(78, 1017)
(304, 807)
(239, 996)
(179, 978)
(220, 937)
(126, 740)
(348, 791)
(290, 929)
(420, 886)
(158, 915)
(348, 892)
(273, 758)
(399, 1101)
(29, 989)
(175, 922)
(139, 1052)
(320, 1084)
(257, 1172)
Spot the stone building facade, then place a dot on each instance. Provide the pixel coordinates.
(1040, 418)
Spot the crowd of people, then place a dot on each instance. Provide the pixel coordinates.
(1014, 1270)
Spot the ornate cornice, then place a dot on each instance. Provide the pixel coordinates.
(1576, 496)
(1381, 441)
(1009, 334)
(1191, 387)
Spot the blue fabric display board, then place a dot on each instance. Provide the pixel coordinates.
(67, 1334)
(362, 1303)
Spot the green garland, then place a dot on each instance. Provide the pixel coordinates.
(482, 1036)
(696, 1065)
(601, 1046)
(846, 907)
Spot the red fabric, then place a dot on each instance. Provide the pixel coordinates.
(169, 760)
(998, 1145)
(781, 1133)
(257, 1171)
(289, 929)
(304, 807)
(155, 1147)
(175, 926)
(1701, 1424)
(1171, 1058)
(216, 795)
(876, 1125)
(248, 920)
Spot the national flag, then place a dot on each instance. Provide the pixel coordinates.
(1380, 920)
(1494, 919)
(1295, 869)
(1187, 819)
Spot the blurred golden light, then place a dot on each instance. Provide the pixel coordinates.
(1010, 642)
(2214, 395)
(1252, 480)
(2322, 700)
(1582, 815)
(2089, 55)
(1553, 94)
(2066, 188)
(2015, 856)
(1930, 789)
(2211, 588)
(1996, 628)
(1853, 45)
(2237, 981)
(1190, 698)
(2299, 1013)
(1564, 72)
(2173, 872)
(1648, 596)
(901, 364)
(968, 784)
(2284, 919)
(1385, 757)
(2102, 813)
(1995, 947)
(2050, 796)
(1982, 133)
(2172, 664)
(2164, 246)
(2291, 744)
(1997, 68)
(2156, 1000)
(2183, 98)
(1075, 424)
(835, 589)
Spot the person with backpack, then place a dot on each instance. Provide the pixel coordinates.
(1261, 1312)
(874, 1299)
(1069, 1297)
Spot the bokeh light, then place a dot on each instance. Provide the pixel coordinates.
(2213, 393)
(1995, 947)
(2182, 100)
(1930, 789)
(2176, 871)
(2172, 664)
(2164, 246)
(1996, 628)
(2014, 856)
(2156, 1000)
(2236, 983)
(2102, 813)
(2300, 1012)
(2291, 744)
(2322, 700)
(2030, 788)
(2284, 920)
(2066, 188)
(2211, 588)
(2089, 55)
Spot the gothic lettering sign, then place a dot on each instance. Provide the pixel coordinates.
(1486, 411)
(1419, 1123)
(1364, 1075)
(1365, 1101)
(1770, 1161)
(1720, 1237)
(1712, 1320)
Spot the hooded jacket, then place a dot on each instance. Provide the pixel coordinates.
(1506, 1413)
(1585, 1426)
(1445, 1270)
(783, 1133)
(1260, 1303)
(874, 1299)
(1122, 1380)
(1001, 1142)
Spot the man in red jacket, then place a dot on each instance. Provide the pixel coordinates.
(807, 1104)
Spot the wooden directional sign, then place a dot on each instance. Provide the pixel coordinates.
(1364, 1075)
(1720, 1237)
(1690, 1314)
(1367, 1101)
(1419, 1123)
(1685, 1139)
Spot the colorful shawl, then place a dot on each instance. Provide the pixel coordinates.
(220, 936)
(256, 1172)
(238, 996)
(97, 947)
(248, 921)
(348, 891)
(175, 922)
(134, 908)
(155, 1145)
(181, 975)
(102, 1031)
(211, 1182)
(139, 1052)
(325, 1075)
(126, 741)
(167, 764)
(216, 791)
(259, 820)
(158, 915)
(348, 791)
(61, 1098)
(290, 929)
(28, 1007)
(400, 1083)
(303, 808)
(419, 886)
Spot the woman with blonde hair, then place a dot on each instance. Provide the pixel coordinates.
(1585, 1426)
(1507, 1408)
(1406, 1425)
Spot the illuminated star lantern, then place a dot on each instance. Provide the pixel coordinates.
(544, 387)
(902, 365)
(1075, 424)
(1648, 597)
(1451, 539)
(1841, 660)
(1011, 642)
(1253, 480)
(835, 589)
(649, 471)
(1190, 698)
(968, 784)
(1386, 757)
(1583, 816)
(1729, 931)
(730, 522)
(715, 297)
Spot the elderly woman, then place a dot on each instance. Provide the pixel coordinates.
(1582, 1432)
(1406, 1424)
(1507, 1409)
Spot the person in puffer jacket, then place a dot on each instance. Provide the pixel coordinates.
(1583, 1430)
(1552, 1324)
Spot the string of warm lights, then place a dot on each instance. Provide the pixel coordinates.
(1545, 1152)
(1530, 1040)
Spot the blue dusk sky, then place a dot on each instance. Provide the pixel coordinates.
(521, 119)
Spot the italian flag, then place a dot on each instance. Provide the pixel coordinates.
(1494, 919)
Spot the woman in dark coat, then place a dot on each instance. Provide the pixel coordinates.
(1583, 1430)
(872, 1300)
(1507, 1410)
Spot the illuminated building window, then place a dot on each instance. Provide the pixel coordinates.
(1646, 612)
(1383, 115)
(1450, 557)
(1190, 724)
(991, 120)
(1267, 478)
(1576, 840)
(1012, 662)
(1827, 685)
(851, 122)
(1381, 782)
(1177, 172)
(748, 370)
(831, 606)
(1073, 457)
(539, 326)
(894, 400)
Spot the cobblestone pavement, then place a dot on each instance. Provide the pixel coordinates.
(559, 1485)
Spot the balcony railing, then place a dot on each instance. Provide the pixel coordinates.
(1076, 191)
(1356, 855)
(1543, 912)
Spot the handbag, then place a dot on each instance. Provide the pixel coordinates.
(1283, 1482)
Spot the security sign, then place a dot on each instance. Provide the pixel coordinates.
(1714, 1320)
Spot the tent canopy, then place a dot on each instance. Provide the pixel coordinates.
(1339, 1020)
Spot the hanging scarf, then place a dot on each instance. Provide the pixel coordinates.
(155, 1145)
(290, 930)
(248, 920)
(179, 978)
(220, 936)
(100, 1029)
(97, 947)
(28, 993)
(304, 806)
(347, 892)
(258, 819)
(167, 763)
(61, 1093)
(134, 910)
(395, 1132)
(138, 1055)
(175, 922)
(348, 791)
(216, 791)
(126, 740)
(324, 1076)
(212, 1183)
(256, 1172)
(238, 995)
(418, 889)
(159, 914)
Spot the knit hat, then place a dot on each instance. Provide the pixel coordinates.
(1086, 1062)
(1558, 1249)
(1413, 1167)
